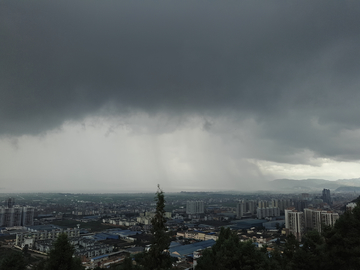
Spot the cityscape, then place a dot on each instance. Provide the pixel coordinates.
(106, 228)
(167, 135)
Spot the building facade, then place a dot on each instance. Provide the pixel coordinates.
(195, 207)
(326, 196)
(294, 222)
(32, 237)
(268, 212)
(240, 209)
(315, 219)
(16, 216)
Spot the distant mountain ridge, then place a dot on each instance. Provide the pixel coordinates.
(308, 185)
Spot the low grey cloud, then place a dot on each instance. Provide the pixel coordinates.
(291, 68)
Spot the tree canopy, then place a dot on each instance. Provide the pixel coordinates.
(61, 256)
(336, 248)
(229, 253)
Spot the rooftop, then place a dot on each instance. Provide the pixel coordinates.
(180, 251)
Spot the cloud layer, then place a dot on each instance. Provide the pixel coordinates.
(278, 80)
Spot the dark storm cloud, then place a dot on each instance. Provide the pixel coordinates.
(292, 66)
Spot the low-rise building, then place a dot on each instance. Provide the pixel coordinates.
(44, 235)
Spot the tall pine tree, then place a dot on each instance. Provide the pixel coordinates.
(157, 258)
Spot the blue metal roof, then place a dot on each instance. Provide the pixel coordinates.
(185, 250)
(100, 257)
(174, 244)
(106, 236)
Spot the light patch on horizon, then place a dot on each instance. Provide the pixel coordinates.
(325, 169)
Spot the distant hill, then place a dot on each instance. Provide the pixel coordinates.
(312, 185)
(355, 182)
(348, 189)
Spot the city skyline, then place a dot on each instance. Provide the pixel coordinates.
(122, 96)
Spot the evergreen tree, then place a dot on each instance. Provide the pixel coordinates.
(229, 253)
(156, 258)
(128, 265)
(343, 242)
(39, 266)
(291, 247)
(61, 256)
(15, 261)
(276, 259)
(312, 254)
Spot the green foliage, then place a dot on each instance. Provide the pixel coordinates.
(337, 248)
(61, 256)
(229, 253)
(343, 242)
(39, 266)
(291, 247)
(25, 251)
(14, 261)
(128, 264)
(276, 259)
(156, 258)
(311, 254)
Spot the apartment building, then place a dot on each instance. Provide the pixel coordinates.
(294, 222)
(16, 216)
(268, 212)
(195, 207)
(315, 219)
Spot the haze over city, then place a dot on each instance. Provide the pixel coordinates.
(105, 96)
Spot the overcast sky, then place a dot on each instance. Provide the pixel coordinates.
(114, 96)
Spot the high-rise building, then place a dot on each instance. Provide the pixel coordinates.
(268, 212)
(251, 207)
(326, 196)
(274, 203)
(294, 222)
(284, 204)
(11, 215)
(263, 204)
(329, 218)
(28, 216)
(195, 207)
(315, 219)
(301, 205)
(245, 206)
(305, 196)
(240, 209)
(9, 203)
